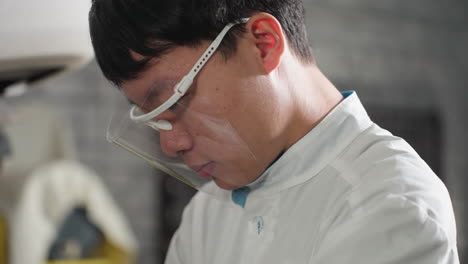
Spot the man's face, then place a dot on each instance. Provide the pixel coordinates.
(223, 127)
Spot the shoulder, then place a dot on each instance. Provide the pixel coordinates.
(378, 165)
(395, 230)
(396, 205)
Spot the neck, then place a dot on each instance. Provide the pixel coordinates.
(313, 96)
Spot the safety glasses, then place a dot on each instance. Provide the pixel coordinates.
(201, 148)
(181, 88)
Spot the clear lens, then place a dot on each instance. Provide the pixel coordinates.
(158, 101)
(200, 147)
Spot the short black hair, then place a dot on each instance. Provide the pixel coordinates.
(152, 27)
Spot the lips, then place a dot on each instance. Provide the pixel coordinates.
(204, 171)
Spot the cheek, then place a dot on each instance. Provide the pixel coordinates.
(244, 102)
(217, 138)
(258, 126)
(219, 90)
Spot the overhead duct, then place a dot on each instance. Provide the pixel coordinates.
(41, 39)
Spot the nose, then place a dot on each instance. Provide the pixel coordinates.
(176, 141)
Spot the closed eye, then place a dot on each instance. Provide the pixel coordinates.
(174, 106)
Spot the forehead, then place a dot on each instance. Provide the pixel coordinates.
(160, 72)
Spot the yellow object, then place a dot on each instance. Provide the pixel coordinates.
(3, 241)
(89, 261)
(106, 254)
(114, 254)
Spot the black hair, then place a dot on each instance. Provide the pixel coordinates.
(153, 27)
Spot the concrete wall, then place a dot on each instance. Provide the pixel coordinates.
(403, 53)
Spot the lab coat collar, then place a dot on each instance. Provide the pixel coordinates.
(308, 156)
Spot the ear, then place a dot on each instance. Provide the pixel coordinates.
(269, 40)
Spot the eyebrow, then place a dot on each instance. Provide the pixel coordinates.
(154, 90)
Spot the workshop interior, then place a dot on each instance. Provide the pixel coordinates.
(68, 196)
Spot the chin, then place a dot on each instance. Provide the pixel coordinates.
(227, 186)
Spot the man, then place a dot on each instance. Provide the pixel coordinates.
(292, 170)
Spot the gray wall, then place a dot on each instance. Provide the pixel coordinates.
(404, 53)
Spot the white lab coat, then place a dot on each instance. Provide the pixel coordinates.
(347, 192)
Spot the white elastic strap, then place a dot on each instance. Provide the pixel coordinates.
(159, 125)
(211, 49)
(148, 116)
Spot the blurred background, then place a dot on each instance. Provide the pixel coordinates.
(407, 60)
